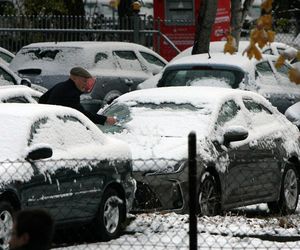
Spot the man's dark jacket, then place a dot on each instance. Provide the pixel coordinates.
(67, 94)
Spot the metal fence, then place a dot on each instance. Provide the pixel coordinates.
(17, 31)
(162, 215)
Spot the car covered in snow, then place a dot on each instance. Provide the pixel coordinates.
(247, 151)
(117, 66)
(18, 94)
(231, 71)
(293, 114)
(8, 77)
(6, 56)
(55, 158)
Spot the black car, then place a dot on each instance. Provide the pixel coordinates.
(247, 151)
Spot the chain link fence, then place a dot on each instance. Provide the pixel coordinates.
(238, 203)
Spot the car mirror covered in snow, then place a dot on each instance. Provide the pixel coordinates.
(235, 133)
(39, 153)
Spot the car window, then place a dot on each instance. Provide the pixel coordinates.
(75, 132)
(6, 76)
(152, 59)
(283, 70)
(5, 57)
(268, 52)
(100, 57)
(227, 112)
(280, 50)
(255, 107)
(18, 99)
(266, 73)
(35, 130)
(260, 115)
(44, 54)
(128, 60)
(122, 113)
(60, 133)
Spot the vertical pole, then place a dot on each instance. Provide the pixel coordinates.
(158, 36)
(192, 190)
(136, 28)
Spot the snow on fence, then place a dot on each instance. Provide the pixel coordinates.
(159, 216)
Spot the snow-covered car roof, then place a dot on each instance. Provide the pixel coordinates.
(214, 47)
(193, 95)
(9, 91)
(89, 44)
(236, 60)
(273, 48)
(49, 57)
(17, 121)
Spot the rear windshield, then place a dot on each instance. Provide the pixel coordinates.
(202, 76)
(67, 56)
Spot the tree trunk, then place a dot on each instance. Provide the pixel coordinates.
(238, 15)
(206, 19)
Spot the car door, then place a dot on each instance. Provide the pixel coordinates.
(68, 186)
(238, 175)
(265, 143)
(246, 159)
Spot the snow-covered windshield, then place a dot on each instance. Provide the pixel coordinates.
(163, 119)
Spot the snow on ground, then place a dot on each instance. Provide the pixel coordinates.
(254, 228)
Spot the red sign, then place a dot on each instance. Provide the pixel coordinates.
(178, 23)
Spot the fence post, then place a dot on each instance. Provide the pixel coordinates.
(192, 190)
(136, 28)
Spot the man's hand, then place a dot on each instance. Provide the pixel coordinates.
(111, 120)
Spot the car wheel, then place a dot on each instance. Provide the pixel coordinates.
(111, 215)
(209, 196)
(289, 193)
(6, 223)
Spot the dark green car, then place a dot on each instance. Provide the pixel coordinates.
(55, 158)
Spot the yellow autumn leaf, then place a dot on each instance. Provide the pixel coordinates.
(262, 38)
(271, 36)
(230, 45)
(265, 22)
(294, 75)
(280, 61)
(266, 5)
(253, 51)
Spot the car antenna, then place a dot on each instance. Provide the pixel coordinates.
(208, 55)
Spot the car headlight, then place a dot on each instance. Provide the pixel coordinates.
(165, 166)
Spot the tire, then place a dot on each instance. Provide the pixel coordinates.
(209, 196)
(289, 193)
(111, 215)
(6, 221)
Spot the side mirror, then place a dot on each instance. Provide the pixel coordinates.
(26, 82)
(39, 153)
(235, 133)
